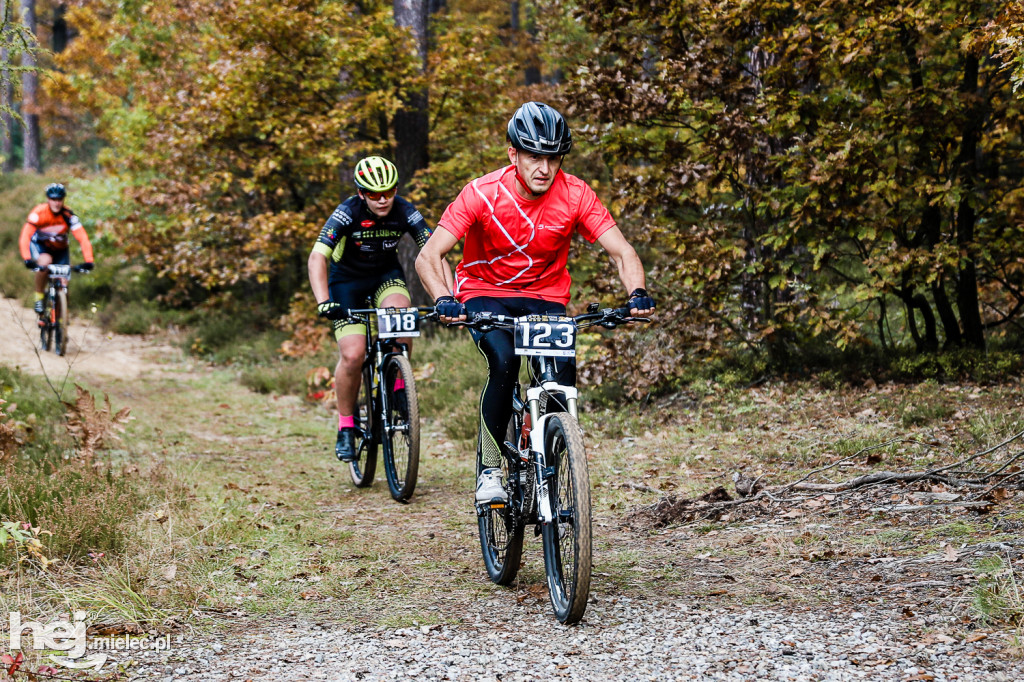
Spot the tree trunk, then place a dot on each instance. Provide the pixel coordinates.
(931, 235)
(29, 94)
(929, 343)
(6, 119)
(967, 283)
(412, 129)
(60, 34)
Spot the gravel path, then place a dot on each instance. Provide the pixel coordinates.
(625, 640)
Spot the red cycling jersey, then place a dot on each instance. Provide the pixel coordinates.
(519, 247)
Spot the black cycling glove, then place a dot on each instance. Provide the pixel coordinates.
(31, 264)
(447, 306)
(86, 267)
(331, 310)
(639, 299)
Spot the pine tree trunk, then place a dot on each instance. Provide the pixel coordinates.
(29, 94)
(6, 120)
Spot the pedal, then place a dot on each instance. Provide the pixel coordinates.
(496, 503)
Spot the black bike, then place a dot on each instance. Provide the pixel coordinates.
(53, 321)
(545, 463)
(385, 415)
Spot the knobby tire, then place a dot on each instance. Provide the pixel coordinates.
(567, 539)
(60, 325)
(402, 440)
(501, 530)
(363, 468)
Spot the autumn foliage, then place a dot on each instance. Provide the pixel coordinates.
(794, 174)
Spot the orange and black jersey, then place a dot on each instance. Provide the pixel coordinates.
(49, 231)
(358, 243)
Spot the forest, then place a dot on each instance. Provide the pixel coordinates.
(807, 466)
(807, 183)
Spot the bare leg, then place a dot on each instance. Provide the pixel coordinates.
(352, 351)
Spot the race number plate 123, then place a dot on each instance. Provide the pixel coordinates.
(393, 323)
(542, 335)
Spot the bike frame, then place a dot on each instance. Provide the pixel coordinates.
(56, 281)
(378, 351)
(538, 422)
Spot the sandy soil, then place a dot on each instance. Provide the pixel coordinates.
(91, 352)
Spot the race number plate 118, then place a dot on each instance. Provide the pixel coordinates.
(393, 323)
(551, 336)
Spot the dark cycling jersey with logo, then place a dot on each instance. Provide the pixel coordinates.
(358, 243)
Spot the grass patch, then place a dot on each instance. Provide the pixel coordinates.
(998, 598)
(453, 388)
(84, 507)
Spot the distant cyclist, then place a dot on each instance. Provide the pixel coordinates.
(44, 238)
(517, 223)
(355, 258)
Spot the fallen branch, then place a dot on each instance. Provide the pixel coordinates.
(926, 507)
(642, 487)
(876, 477)
(838, 462)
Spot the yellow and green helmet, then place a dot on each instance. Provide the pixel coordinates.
(375, 174)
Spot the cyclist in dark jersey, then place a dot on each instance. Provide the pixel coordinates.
(354, 259)
(517, 223)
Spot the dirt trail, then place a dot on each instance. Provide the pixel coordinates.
(745, 600)
(91, 352)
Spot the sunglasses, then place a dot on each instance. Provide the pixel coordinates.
(377, 196)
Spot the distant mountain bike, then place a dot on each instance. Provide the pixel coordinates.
(53, 321)
(545, 463)
(386, 415)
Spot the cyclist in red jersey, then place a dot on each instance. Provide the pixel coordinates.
(516, 224)
(44, 238)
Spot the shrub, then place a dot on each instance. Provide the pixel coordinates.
(83, 506)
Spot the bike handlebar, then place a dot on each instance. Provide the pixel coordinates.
(363, 314)
(51, 266)
(609, 318)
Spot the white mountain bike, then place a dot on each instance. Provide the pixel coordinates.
(545, 463)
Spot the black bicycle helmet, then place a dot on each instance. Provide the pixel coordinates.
(539, 129)
(56, 191)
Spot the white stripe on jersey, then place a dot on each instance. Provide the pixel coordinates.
(341, 216)
(518, 248)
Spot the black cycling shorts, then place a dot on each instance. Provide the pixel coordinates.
(366, 292)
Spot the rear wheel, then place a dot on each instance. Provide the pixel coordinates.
(364, 466)
(60, 324)
(567, 539)
(501, 529)
(401, 429)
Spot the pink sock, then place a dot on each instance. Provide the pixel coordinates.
(399, 383)
(343, 421)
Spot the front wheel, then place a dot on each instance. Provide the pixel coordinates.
(401, 428)
(364, 466)
(60, 323)
(567, 539)
(45, 332)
